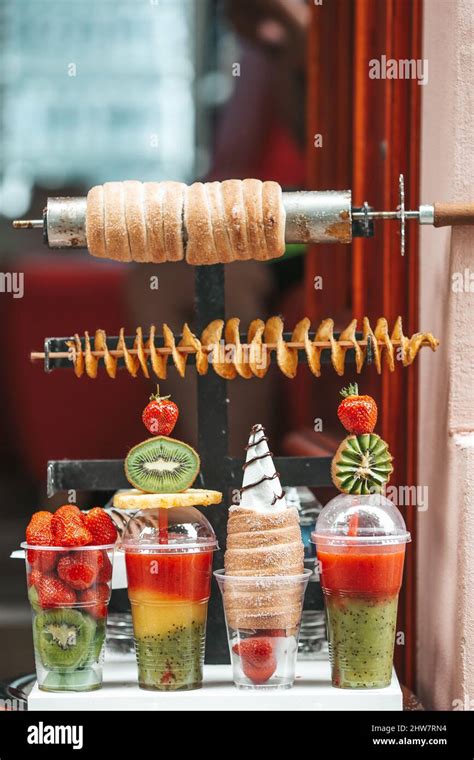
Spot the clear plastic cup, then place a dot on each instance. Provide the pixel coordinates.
(360, 543)
(168, 555)
(263, 618)
(69, 591)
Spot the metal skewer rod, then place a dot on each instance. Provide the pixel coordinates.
(39, 355)
(27, 224)
(30, 224)
(385, 214)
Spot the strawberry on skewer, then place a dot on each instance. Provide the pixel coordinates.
(160, 414)
(362, 464)
(357, 413)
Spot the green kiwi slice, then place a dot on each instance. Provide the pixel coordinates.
(162, 465)
(362, 464)
(97, 645)
(63, 638)
(34, 598)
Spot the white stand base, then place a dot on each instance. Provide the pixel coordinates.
(312, 691)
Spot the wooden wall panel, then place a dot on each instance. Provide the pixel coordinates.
(371, 134)
(329, 107)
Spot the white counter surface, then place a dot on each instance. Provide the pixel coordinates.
(312, 691)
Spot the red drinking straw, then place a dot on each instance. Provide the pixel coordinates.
(354, 524)
(163, 525)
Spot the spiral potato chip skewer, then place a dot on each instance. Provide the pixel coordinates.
(220, 346)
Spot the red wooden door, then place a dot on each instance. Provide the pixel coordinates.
(370, 133)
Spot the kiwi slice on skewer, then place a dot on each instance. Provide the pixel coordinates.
(162, 465)
(362, 464)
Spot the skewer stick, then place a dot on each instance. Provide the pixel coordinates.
(40, 355)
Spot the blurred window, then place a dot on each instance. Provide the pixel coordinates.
(94, 90)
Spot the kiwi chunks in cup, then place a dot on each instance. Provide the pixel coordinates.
(63, 638)
(362, 464)
(162, 465)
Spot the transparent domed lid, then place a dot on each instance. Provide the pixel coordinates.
(357, 519)
(178, 529)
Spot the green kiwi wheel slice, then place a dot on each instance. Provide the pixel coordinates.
(34, 598)
(63, 638)
(95, 650)
(162, 465)
(362, 464)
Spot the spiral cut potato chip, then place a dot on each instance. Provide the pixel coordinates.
(221, 347)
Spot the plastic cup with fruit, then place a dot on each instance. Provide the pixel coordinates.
(69, 563)
(360, 539)
(263, 617)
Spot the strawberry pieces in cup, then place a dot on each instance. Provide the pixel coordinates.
(78, 574)
(258, 658)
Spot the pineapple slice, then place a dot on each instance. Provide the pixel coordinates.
(192, 497)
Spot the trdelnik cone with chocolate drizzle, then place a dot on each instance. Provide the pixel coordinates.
(264, 539)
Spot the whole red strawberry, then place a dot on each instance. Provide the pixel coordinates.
(38, 530)
(68, 527)
(96, 600)
(160, 414)
(44, 562)
(80, 569)
(105, 573)
(39, 533)
(69, 509)
(53, 592)
(100, 526)
(257, 658)
(357, 413)
(34, 577)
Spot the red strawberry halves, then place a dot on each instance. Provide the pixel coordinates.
(357, 413)
(160, 414)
